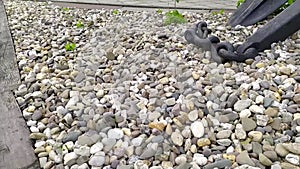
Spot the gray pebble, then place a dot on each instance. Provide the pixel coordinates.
(242, 104)
(71, 136)
(218, 164)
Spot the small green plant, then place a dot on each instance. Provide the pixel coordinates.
(174, 16)
(79, 24)
(159, 11)
(115, 11)
(221, 12)
(66, 9)
(70, 46)
(239, 2)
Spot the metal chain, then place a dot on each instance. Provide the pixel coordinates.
(201, 36)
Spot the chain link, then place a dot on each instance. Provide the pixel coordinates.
(200, 36)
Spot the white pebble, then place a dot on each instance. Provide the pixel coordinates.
(197, 129)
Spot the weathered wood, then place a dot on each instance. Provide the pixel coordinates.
(16, 150)
(9, 73)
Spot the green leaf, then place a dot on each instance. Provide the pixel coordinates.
(159, 11)
(115, 11)
(79, 24)
(291, 1)
(66, 9)
(174, 16)
(70, 46)
(221, 11)
(239, 2)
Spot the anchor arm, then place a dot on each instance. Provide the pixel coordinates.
(278, 29)
(252, 11)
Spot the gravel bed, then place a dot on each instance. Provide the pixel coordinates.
(135, 95)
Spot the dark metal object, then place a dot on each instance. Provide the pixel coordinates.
(199, 36)
(253, 11)
(278, 29)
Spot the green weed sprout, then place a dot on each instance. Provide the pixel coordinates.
(66, 9)
(70, 46)
(159, 11)
(174, 16)
(79, 24)
(115, 11)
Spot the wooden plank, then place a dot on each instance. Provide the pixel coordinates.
(16, 150)
(9, 73)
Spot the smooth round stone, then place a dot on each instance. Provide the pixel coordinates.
(232, 99)
(242, 104)
(259, 99)
(223, 163)
(296, 98)
(268, 102)
(240, 132)
(224, 142)
(167, 164)
(180, 159)
(170, 102)
(245, 113)
(164, 80)
(154, 115)
(148, 153)
(256, 136)
(292, 158)
(115, 133)
(264, 160)
(71, 136)
(186, 133)
(49, 164)
(280, 150)
(285, 70)
(248, 124)
(177, 138)
(256, 109)
(286, 165)
(200, 159)
(203, 142)
(292, 147)
(85, 140)
(37, 136)
(37, 115)
(83, 151)
(34, 129)
(206, 152)
(223, 134)
(197, 129)
(275, 166)
(271, 111)
(97, 160)
(70, 158)
(256, 147)
(271, 155)
(43, 161)
(193, 115)
(243, 158)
